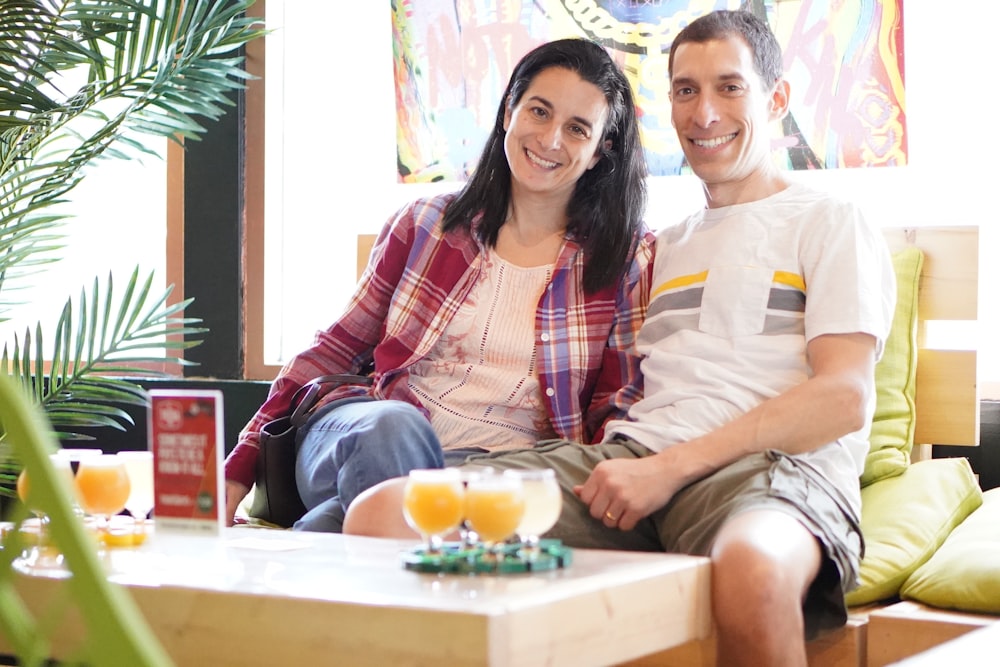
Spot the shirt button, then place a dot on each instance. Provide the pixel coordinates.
(550, 392)
(545, 338)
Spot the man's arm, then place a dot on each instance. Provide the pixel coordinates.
(829, 405)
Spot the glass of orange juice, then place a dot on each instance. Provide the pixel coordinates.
(433, 504)
(24, 486)
(494, 505)
(103, 486)
(42, 555)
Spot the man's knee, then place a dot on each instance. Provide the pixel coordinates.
(765, 555)
(378, 511)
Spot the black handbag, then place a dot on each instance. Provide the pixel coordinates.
(276, 497)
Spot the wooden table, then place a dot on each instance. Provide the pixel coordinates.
(265, 597)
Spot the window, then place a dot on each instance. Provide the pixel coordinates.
(120, 204)
(328, 175)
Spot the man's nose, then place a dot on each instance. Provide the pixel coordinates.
(706, 111)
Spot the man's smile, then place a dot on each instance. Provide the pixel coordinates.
(715, 142)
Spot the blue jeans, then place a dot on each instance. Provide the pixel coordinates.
(353, 444)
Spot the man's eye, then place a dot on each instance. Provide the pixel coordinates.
(683, 92)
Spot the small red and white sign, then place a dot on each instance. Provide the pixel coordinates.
(186, 437)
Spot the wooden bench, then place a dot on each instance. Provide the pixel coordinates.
(906, 629)
(972, 649)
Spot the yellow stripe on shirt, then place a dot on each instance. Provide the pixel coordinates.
(681, 281)
(791, 279)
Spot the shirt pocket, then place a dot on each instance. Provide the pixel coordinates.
(734, 301)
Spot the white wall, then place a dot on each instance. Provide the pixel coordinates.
(344, 181)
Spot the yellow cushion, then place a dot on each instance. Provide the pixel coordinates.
(964, 573)
(896, 377)
(904, 519)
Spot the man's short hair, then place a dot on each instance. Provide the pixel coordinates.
(767, 59)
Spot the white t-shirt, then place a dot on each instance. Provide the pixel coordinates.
(737, 293)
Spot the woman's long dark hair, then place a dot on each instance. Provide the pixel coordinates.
(608, 202)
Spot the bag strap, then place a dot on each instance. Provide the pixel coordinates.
(307, 395)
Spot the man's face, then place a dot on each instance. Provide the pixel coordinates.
(722, 113)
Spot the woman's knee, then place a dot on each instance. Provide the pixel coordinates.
(396, 414)
(376, 427)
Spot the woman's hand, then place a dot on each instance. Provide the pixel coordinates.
(235, 493)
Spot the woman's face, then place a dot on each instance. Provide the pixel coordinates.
(554, 133)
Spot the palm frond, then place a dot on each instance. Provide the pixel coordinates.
(91, 348)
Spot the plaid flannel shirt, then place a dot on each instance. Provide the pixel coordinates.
(417, 277)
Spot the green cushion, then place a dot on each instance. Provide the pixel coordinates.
(964, 573)
(896, 377)
(904, 519)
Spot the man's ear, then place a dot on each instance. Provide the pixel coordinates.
(598, 153)
(779, 100)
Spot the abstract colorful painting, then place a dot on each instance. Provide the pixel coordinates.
(452, 60)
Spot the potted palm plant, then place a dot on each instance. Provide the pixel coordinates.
(81, 80)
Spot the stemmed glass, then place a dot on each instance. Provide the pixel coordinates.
(542, 506)
(494, 505)
(42, 554)
(73, 456)
(103, 484)
(433, 504)
(139, 465)
(470, 540)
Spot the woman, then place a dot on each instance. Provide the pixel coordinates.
(493, 317)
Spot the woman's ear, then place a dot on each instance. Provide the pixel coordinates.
(606, 146)
(506, 114)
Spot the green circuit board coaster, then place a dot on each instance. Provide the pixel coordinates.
(456, 558)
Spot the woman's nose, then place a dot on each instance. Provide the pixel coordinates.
(551, 136)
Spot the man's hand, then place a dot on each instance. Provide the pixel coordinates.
(235, 493)
(619, 492)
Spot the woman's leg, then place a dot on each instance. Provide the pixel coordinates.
(352, 445)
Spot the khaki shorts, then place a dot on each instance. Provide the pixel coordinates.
(691, 520)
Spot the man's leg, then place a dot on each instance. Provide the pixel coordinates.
(378, 512)
(785, 544)
(763, 563)
(353, 445)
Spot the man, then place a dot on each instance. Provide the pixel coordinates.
(768, 312)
